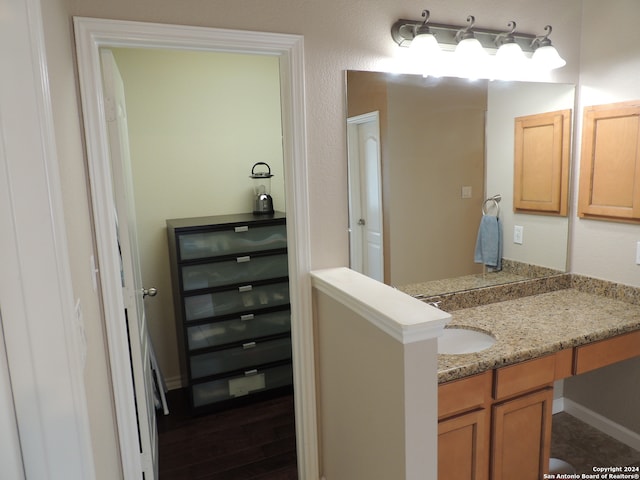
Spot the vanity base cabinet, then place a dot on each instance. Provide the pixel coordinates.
(463, 447)
(464, 428)
(521, 438)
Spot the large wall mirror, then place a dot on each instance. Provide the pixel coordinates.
(425, 154)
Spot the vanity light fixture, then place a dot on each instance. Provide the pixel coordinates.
(423, 40)
(546, 54)
(508, 48)
(511, 50)
(469, 47)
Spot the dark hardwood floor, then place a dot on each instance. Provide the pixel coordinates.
(253, 442)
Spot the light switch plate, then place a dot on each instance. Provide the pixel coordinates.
(518, 234)
(466, 192)
(638, 253)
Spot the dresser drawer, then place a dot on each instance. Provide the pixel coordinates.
(240, 239)
(247, 298)
(242, 269)
(245, 356)
(238, 329)
(251, 382)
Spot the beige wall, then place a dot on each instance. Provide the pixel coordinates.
(610, 68)
(379, 415)
(435, 150)
(198, 121)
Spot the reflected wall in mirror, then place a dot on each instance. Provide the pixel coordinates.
(445, 145)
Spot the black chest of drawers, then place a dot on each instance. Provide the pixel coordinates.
(231, 298)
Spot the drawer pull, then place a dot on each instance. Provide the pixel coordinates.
(245, 288)
(248, 316)
(248, 373)
(247, 346)
(244, 259)
(244, 228)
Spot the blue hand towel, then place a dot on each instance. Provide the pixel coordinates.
(489, 242)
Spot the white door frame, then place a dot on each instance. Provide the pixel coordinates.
(42, 328)
(93, 34)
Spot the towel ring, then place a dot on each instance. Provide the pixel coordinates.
(492, 202)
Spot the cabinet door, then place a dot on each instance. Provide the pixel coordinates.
(541, 168)
(463, 447)
(610, 162)
(522, 437)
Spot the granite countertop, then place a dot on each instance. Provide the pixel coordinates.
(533, 326)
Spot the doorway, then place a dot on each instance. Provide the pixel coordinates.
(91, 36)
(365, 195)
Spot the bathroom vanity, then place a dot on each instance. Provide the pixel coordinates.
(495, 406)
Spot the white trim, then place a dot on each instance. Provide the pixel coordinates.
(602, 423)
(399, 315)
(558, 405)
(10, 452)
(43, 337)
(93, 34)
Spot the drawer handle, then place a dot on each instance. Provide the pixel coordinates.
(248, 316)
(245, 288)
(247, 346)
(244, 228)
(248, 373)
(244, 259)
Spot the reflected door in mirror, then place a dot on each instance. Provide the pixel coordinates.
(365, 196)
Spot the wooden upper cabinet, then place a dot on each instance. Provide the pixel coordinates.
(541, 168)
(610, 163)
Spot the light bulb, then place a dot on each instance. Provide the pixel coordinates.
(510, 53)
(470, 58)
(425, 43)
(470, 50)
(547, 57)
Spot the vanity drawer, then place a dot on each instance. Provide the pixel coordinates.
(525, 376)
(606, 352)
(246, 298)
(239, 239)
(237, 329)
(242, 269)
(244, 356)
(465, 394)
(251, 382)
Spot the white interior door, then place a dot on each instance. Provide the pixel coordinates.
(132, 287)
(365, 196)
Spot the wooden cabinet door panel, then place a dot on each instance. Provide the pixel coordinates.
(463, 444)
(610, 162)
(541, 168)
(522, 437)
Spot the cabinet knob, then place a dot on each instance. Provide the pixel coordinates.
(150, 292)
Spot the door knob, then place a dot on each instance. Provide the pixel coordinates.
(151, 292)
(362, 222)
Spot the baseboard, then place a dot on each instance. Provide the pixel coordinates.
(558, 405)
(173, 383)
(609, 427)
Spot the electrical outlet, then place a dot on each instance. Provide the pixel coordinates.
(466, 192)
(518, 234)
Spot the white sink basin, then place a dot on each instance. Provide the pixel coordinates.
(456, 341)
